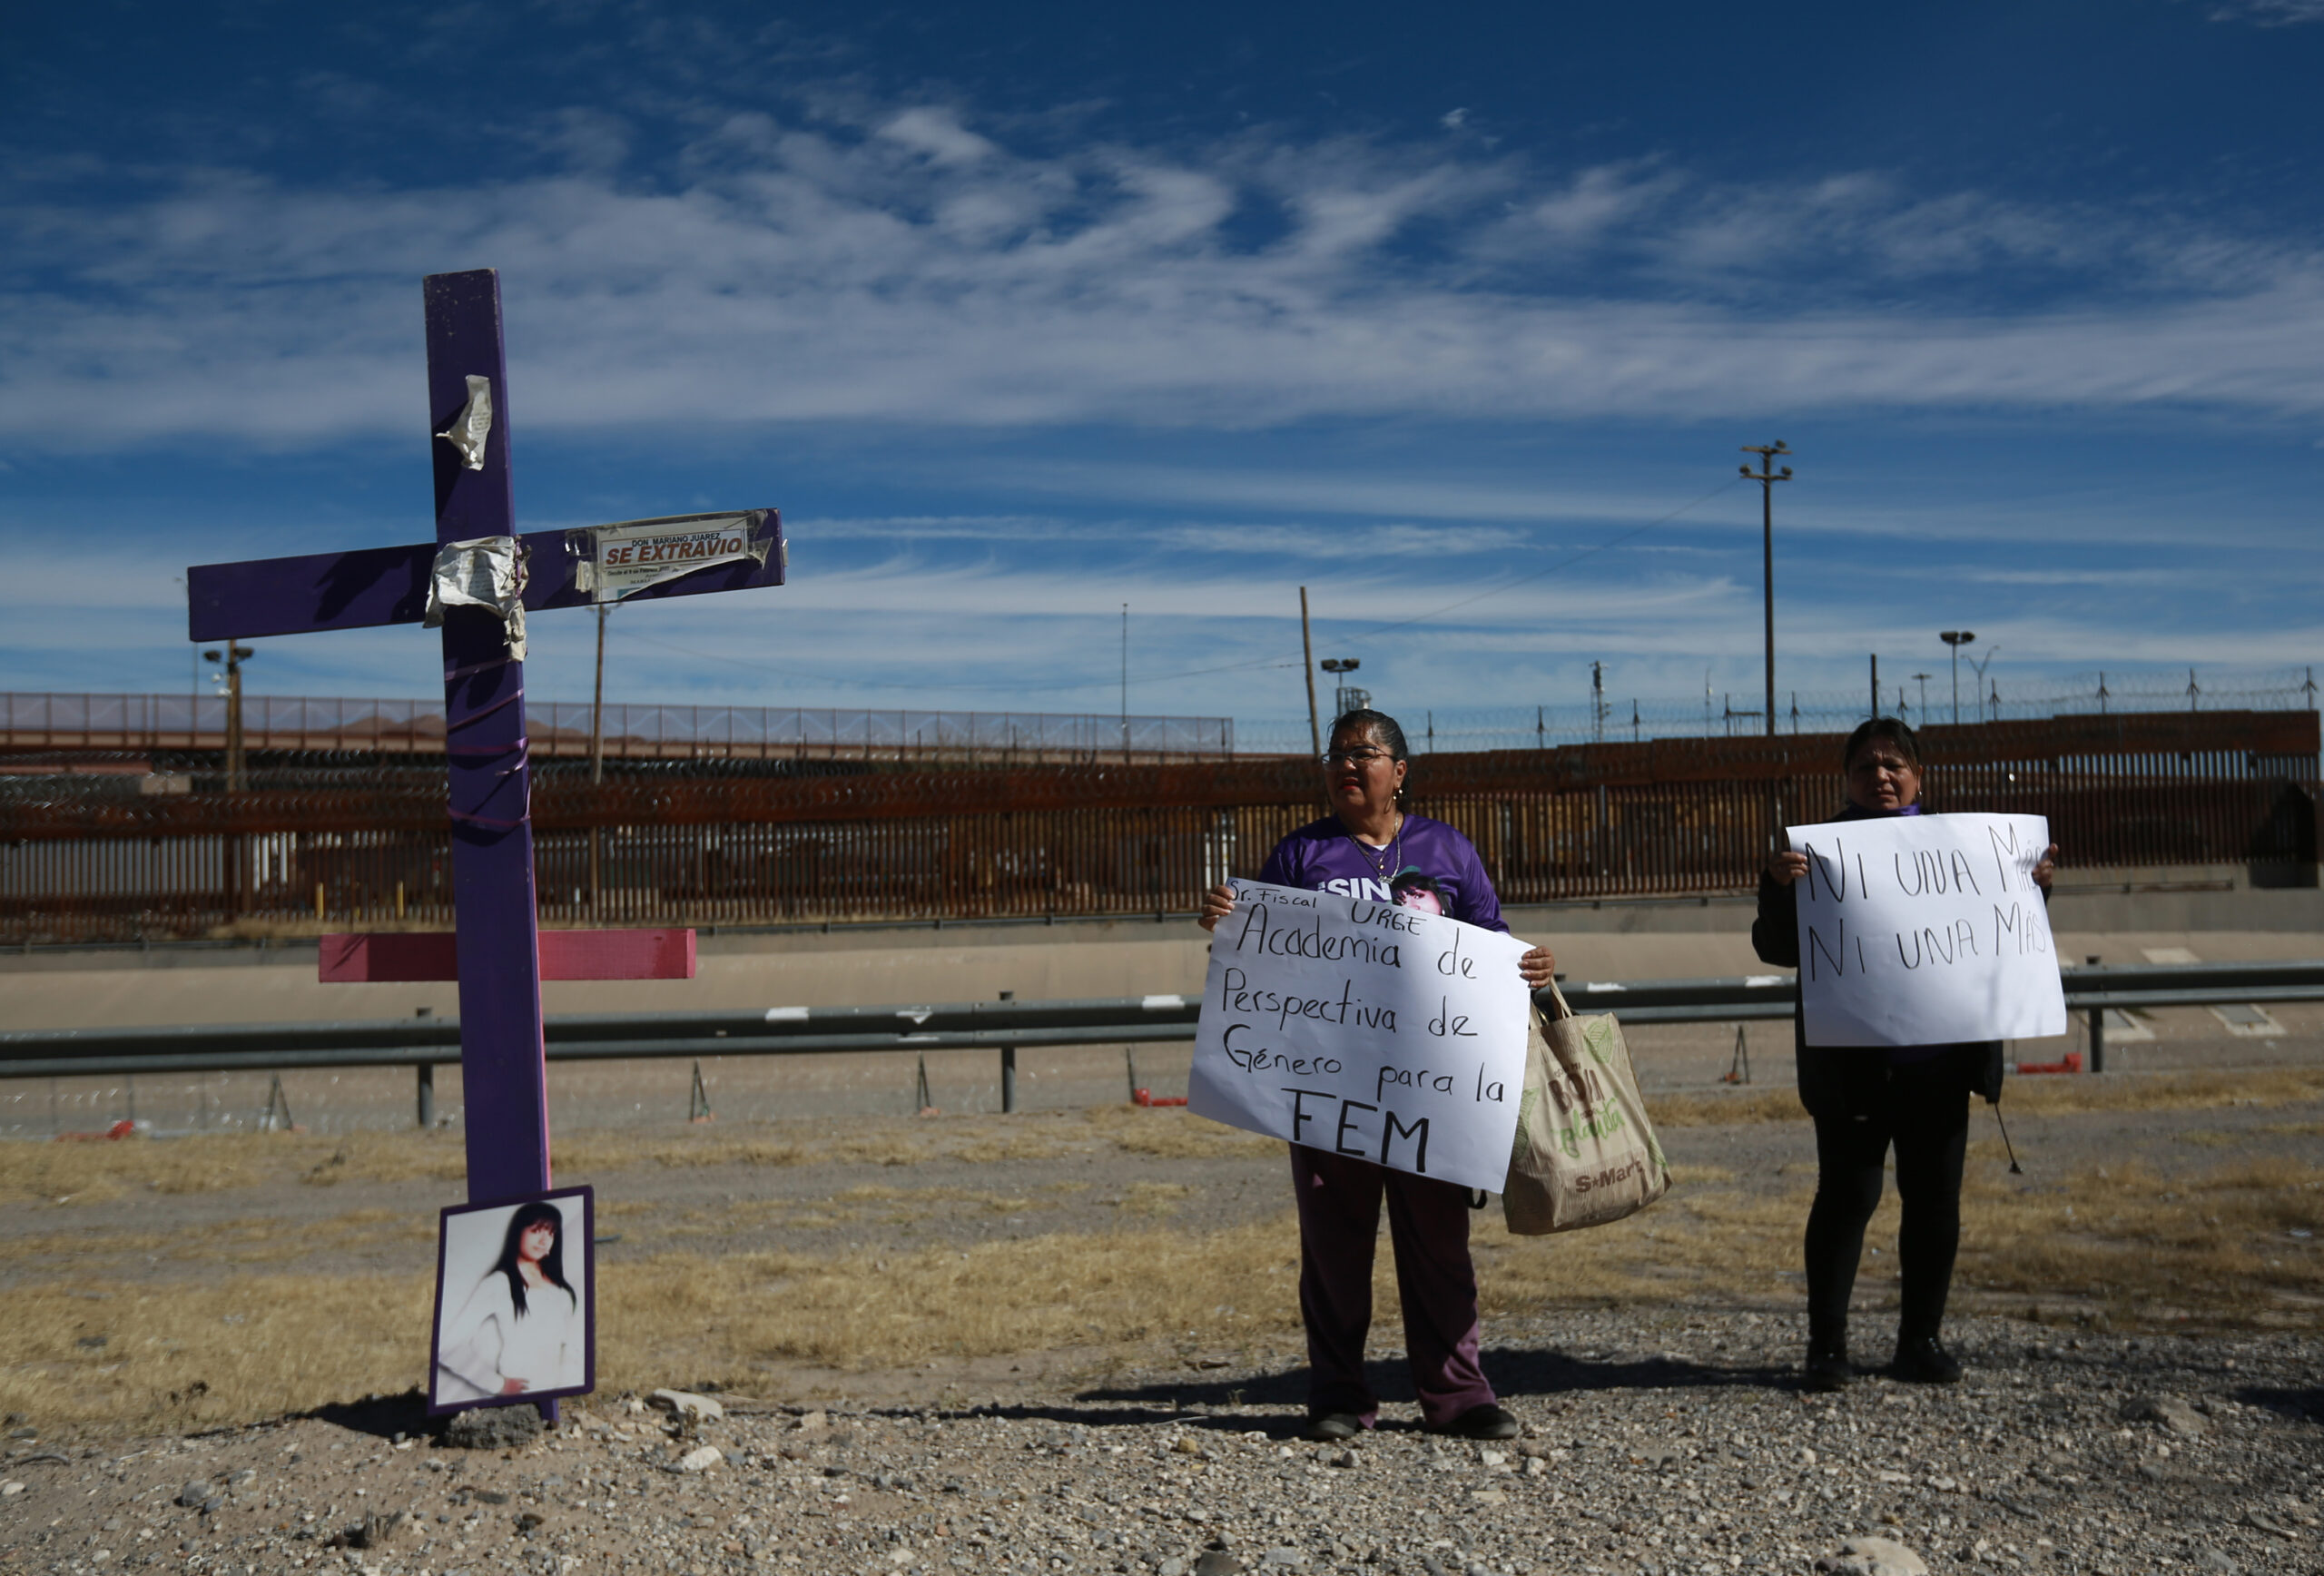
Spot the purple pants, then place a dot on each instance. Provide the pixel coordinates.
(1339, 1227)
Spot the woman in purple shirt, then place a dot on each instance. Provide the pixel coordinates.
(1369, 847)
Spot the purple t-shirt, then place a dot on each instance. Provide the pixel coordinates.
(1322, 857)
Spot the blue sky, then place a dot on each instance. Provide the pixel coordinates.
(1023, 312)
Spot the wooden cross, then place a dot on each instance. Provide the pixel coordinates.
(503, 1073)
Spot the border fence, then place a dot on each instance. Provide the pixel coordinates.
(1672, 816)
(1922, 699)
(308, 725)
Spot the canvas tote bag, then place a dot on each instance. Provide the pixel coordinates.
(1585, 1153)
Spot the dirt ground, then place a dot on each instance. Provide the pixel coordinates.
(208, 1304)
(1068, 1340)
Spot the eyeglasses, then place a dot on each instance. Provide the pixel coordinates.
(1362, 756)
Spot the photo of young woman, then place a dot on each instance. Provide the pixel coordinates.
(512, 1309)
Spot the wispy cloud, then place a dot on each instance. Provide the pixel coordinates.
(2269, 13)
(912, 268)
(1314, 543)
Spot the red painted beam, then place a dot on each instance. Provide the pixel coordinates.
(407, 957)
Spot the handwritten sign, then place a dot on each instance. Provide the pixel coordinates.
(640, 553)
(1925, 930)
(1364, 1028)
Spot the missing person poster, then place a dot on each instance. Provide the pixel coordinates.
(1925, 930)
(516, 1305)
(1364, 1028)
(630, 557)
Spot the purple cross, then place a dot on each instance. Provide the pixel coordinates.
(503, 1070)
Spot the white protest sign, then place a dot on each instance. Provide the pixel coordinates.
(1364, 1028)
(640, 553)
(1925, 930)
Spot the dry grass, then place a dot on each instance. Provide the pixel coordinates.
(88, 1173)
(2209, 1247)
(2212, 1247)
(2215, 1246)
(1774, 1103)
(1175, 1135)
(93, 1172)
(2192, 1091)
(2189, 1091)
(192, 1356)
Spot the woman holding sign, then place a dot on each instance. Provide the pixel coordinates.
(1863, 1099)
(1371, 848)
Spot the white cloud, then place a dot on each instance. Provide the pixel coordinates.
(2269, 13)
(939, 134)
(1327, 542)
(926, 273)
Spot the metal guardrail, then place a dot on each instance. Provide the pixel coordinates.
(1005, 1026)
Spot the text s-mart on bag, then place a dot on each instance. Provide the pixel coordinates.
(1585, 1152)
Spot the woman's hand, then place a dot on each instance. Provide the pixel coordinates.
(2047, 871)
(514, 1387)
(1216, 904)
(1783, 869)
(1539, 967)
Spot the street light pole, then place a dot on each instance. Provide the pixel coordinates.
(1957, 639)
(234, 656)
(1767, 477)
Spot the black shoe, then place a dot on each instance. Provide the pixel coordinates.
(1329, 1427)
(1826, 1372)
(1920, 1360)
(1486, 1422)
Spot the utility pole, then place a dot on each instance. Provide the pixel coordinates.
(1875, 684)
(1767, 477)
(1957, 639)
(234, 656)
(1125, 683)
(1307, 650)
(1923, 683)
(1598, 700)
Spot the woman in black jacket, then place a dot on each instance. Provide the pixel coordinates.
(1864, 1099)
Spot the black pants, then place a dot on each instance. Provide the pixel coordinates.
(1862, 1106)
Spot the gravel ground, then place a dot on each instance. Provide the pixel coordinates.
(1657, 1442)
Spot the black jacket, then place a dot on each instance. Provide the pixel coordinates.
(1823, 1069)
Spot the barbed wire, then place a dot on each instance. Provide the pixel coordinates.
(1724, 714)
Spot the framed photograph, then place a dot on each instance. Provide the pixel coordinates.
(516, 1302)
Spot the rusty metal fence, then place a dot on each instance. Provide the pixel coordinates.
(1669, 816)
(306, 724)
